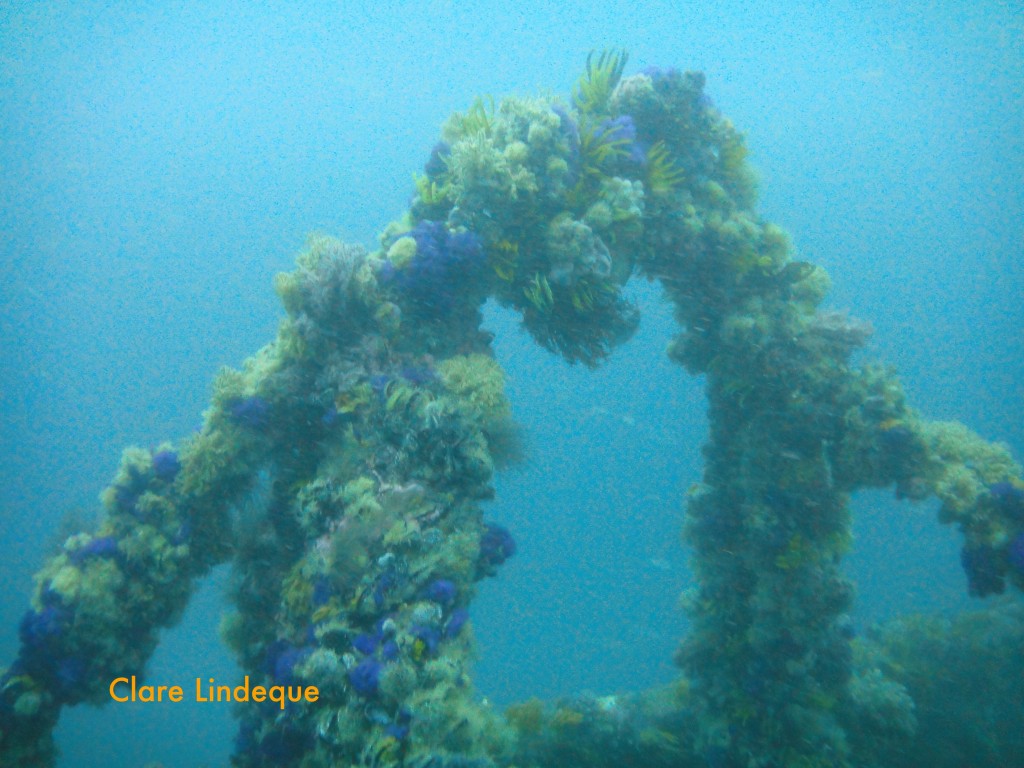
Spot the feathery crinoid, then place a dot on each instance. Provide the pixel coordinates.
(479, 118)
(595, 86)
(663, 174)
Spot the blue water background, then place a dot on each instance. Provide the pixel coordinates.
(161, 161)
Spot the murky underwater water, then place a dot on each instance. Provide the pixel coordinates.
(166, 165)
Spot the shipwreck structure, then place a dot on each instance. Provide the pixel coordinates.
(371, 427)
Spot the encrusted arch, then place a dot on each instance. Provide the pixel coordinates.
(378, 414)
